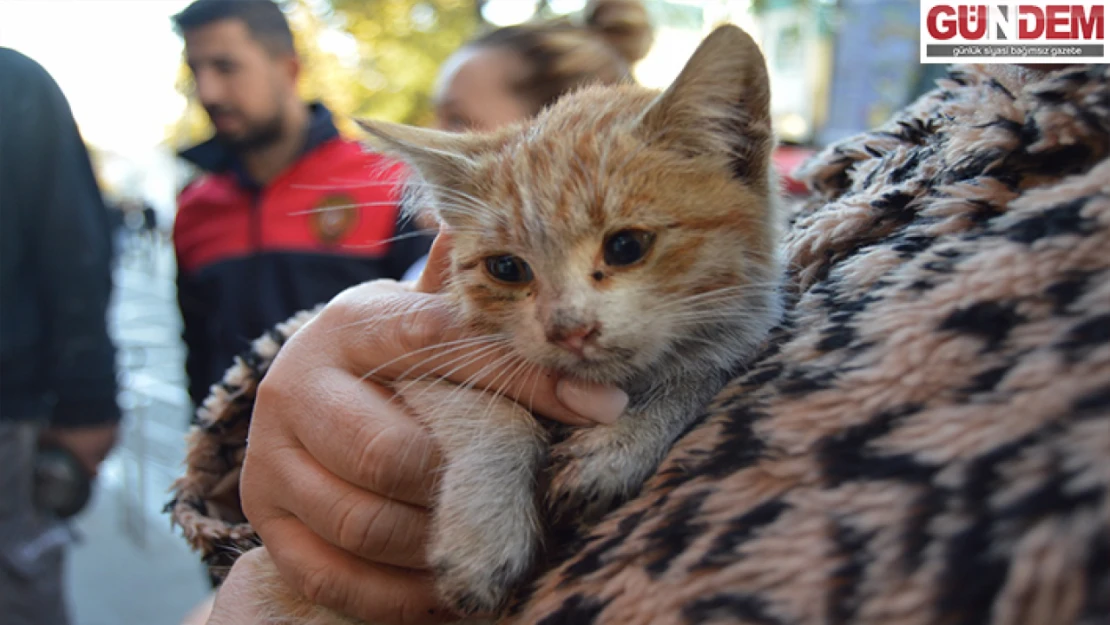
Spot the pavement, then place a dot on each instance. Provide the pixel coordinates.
(130, 567)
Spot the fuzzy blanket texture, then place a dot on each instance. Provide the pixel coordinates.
(926, 437)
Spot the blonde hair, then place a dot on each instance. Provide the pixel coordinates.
(599, 47)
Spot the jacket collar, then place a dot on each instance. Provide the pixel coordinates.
(215, 157)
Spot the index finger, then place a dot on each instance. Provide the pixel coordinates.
(334, 424)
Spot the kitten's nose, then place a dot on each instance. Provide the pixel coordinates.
(574, 339)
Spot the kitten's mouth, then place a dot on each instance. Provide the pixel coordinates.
(599, 364)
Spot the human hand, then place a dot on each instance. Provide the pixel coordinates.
(240, 598)
(338, 478)
(90, 445)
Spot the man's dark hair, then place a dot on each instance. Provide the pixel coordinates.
(263, 18)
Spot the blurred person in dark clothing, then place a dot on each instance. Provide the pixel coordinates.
(57, 362)
(150, 218)
(150, 223)
(287, 213)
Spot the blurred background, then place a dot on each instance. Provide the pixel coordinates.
(837, 67)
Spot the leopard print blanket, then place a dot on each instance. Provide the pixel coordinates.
(926, 437)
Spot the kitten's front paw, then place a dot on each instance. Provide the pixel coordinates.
(592, 472)
(482, 549)
(474, 585)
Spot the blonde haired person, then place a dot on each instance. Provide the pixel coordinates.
(512, 73)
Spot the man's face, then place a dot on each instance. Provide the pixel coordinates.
(240, 84)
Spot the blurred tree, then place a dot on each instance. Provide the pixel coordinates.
(363, 58)
(401, 44)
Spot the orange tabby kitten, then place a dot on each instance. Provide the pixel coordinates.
(623, 236)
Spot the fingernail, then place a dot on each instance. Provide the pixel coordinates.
(601, 404)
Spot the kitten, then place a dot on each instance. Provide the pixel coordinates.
(623, 236)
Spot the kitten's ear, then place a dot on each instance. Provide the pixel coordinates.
(440, 157)
(719, 106)
(442, 161)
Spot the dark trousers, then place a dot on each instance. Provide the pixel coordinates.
(32, 544)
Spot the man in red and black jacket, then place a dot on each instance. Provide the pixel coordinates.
(287, 213)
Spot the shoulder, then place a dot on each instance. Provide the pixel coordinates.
(192, 190)
(37, 101)
(202, 187)
(17, 65)
(36, 88)
(200, 196)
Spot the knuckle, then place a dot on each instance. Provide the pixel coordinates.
(356, 302)
(357, 528)
(248, 494)
(339, 311)
(320, 585)
(269, 391)
(259, 513)
(370, 462)
(257, 497)
(281, 385)
(419, 329)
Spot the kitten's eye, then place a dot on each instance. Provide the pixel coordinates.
(509, 269)
(627, 247)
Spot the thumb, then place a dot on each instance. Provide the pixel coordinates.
(434, 276)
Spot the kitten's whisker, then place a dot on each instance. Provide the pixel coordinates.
(400, 237)
(536, 372)
(715, 314)
(378, 318)
(450, 345)
(328, 209)
(722, 294)
(345, 185)
(733, 287)
(443, 193)
(473, 379)
(402, 387)
(475, 396)
(471, 210)
(737, 323)
(501, 390)
(701, 311)
(467, 358)
(515, 376)
(731, 302)
(459, 194)
(677, 322)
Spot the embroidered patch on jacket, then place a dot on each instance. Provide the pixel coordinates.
(333, 217)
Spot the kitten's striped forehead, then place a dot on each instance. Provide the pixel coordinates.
(560, 179)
